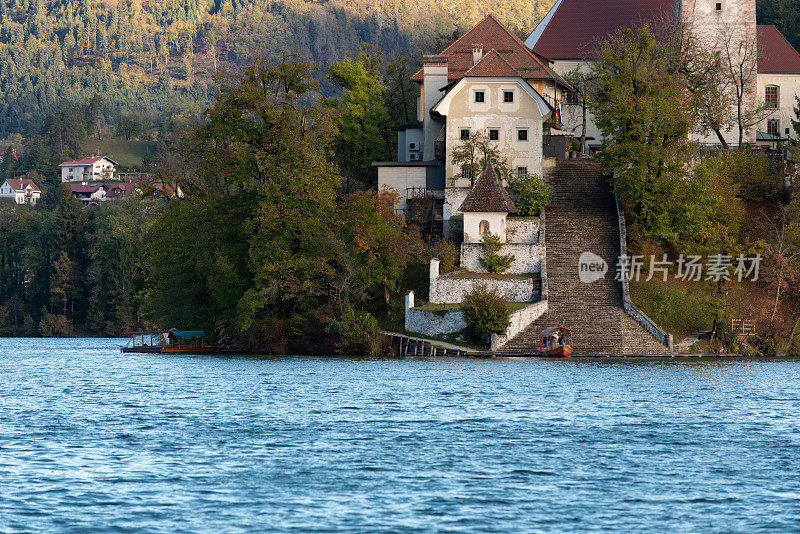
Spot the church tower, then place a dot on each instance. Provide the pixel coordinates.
(729, 27)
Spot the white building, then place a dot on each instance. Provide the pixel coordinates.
(93, 168)
(487, 81)
(89, 194)
(572, 31)
(23, 191)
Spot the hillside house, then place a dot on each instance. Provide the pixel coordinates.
(487, 81)
(572, 31)
(22, 191)
(89, 194)
(121, 190)
(90, 169)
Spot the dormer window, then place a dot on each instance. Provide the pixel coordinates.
(480, 97)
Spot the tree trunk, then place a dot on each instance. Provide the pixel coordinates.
(722, 140)
(583, 131)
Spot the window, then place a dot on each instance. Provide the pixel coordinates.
(494, 134)
(508, 97)
(483, 228)
(522, 172)
(771, 97)
(718, 6)
(466, 173)
(774, 127)
(480, 97)
(571, 98)
(465, 134)
(522, 134)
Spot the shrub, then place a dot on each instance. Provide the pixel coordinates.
(53, 325)
(530, 194)
(447, 254)
(750, 171)
(486, 313)
(492, 261)
(358, 333)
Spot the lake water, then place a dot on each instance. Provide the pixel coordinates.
(92, 440)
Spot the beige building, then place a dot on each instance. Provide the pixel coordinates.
(487, 81)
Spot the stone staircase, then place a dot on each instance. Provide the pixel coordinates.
(582, 217)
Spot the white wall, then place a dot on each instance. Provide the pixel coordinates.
(472, 220)
(524, 112)
(400, 179)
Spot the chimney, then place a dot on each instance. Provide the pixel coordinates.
(477, 53)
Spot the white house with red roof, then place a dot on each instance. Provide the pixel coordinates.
(572, 31)
(21, 190)
(92, 168)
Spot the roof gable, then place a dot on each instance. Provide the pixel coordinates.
(490, 34)
(488, 195)
(86, 161)
(443, 106)
(775, 53)
(493, 64)
(574, 28)
(21, 184)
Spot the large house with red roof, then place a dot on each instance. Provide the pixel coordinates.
(487, 81)
(21, 190)
(90, 169)
(573, 29)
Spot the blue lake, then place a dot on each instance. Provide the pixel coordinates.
(92, 440)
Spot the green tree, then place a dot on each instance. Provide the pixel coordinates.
(129, 126)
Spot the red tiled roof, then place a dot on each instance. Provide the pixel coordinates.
(85, 161)
(19, 184)
(775, 54)
(492, 64)
(578, 26)
(488, 195)
(490, 34)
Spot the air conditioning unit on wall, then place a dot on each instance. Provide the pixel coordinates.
(413, 146)
(413, 157)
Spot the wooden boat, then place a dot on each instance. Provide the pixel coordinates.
(171, 341)
(556, 342)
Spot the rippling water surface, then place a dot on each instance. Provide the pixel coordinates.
(94, 440)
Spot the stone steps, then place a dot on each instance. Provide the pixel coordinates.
(582, 217)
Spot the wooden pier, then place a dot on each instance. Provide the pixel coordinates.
(410, 346)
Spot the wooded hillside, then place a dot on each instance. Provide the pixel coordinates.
(153, 57)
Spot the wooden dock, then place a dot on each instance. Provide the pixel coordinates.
(410, 346)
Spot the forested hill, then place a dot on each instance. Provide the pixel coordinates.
(152, 57)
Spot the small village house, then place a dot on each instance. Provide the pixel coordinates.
(90, 169)
(121, 190)
(89, 194)
(21, 190)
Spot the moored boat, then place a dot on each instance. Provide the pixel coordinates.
(556, 342)
(171, 341)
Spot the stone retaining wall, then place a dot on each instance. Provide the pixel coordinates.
(638, 315)
(527, 258)
(520, 320)
(434, 323)
(523, 230)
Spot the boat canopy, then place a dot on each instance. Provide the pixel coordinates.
(187, 334)
(562, 330)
